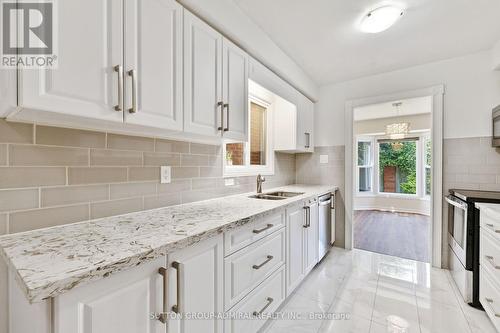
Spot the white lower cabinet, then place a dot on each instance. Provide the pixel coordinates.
(196, 287)
(123, 303)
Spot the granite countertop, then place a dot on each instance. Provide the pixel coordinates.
(51, 261)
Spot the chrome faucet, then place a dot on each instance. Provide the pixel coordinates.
(260, 180)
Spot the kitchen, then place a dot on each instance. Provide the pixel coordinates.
(163, 159)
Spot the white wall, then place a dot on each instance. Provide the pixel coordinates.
(496, 56)
(472, 89)
(227, 17)
(391, 203)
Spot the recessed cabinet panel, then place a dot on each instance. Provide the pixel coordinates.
(235, 92)
(202, 77)
(305, 124)
(85, 83)
(153, 48)
(296, 251)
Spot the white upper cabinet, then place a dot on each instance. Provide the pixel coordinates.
(85, 83)
(305, 124)
(235, 92)
(153, 63)
(203, 104)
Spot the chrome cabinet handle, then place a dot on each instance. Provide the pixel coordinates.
(308, 140)
(269, 300)
(308, 216)
(133, 74)
(163, 272)
(226, 106)
(119, 70)
(491, 260)
(269, 258)
(176, 308)
(492, 227)
(490, 302)
(221, 105)
(258, 231)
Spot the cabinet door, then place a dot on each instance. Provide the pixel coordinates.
(153, 48)
(202, 77)
(295, 250)
(122, 303)
(235, 92)
(312, 238)
(305, 124)
(196, 286)
(85, 83)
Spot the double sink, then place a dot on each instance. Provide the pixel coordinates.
(279, 195)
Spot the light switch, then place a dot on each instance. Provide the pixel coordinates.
(165, 174)
(323, 159)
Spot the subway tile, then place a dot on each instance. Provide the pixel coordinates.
(68, 195)
(12, 200)
(119, 191)
(117, 207)
(31, 155)
(15, 132)
(56, 136)
(211, 172)
(159, 159)
(178, 185)
(162, 200)
(198, 148)
(215, 160)
(3, 225)
(201, 183)
(194, 160)
(96, 175)
(108, 157)
(125, 142)
(47, 217)
(14, 177)
(3, 154)
(193, 196)
(475, 179)
(138, 174)
(185, 172)
(169, 146)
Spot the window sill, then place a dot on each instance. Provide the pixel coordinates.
(393, 196)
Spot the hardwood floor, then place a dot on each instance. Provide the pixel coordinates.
(397, 234)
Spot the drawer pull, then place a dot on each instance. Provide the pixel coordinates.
(269, 301)
(492, 227)
(490, 301)
(491, 260)
(177, 266)
(269, 258)
(163, 272)
(258, 231)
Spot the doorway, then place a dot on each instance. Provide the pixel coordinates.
(393, 178)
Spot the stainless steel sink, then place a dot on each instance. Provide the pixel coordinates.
(280, 195)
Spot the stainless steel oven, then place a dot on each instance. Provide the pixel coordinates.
(457, 228)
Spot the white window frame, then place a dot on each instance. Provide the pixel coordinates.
(370, 165)
(425, 166)
(247, 169)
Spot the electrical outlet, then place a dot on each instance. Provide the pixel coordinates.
(323, 159)
(165, 174)
(229, 181)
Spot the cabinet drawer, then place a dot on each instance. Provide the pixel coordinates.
(245, 235)
(270, 293)
(490, 225)
(489, 254)
(489, 296)
(245, 269)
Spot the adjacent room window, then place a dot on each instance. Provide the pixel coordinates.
(365, 165)
(255, 156)
(427, 164)
(397, 160)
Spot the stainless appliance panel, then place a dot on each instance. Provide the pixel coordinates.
(325, 224)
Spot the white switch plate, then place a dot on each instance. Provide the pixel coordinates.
(323, 159)
(229, 181)
(165, 174)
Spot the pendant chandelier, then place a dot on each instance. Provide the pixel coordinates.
(397, 131)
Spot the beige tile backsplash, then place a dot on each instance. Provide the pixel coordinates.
(51, 176)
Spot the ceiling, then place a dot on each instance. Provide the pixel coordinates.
(322, 36)
(407, 107)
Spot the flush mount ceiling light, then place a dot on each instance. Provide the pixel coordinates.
(380, 19)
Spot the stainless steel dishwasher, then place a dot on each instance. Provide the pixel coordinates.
(325, 223)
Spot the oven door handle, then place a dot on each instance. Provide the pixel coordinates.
(452, 202)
